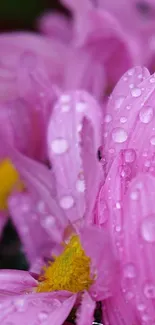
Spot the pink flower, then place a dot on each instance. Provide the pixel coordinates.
(23, 298)
(101, 40)
(74, 135)
(124, 208)
(23, 121)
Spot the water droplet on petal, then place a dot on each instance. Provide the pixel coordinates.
(119, 135)
(152, 140)
(57, 303)
(146, 114)
(66, 202)
(79, 128)
(148, 229)
(128, 107)
(107, 118)
(80, 186)
(119, 102)
(48, 221)
(140, 307)
(41, 206)
(59, 146)
(20, 304)
(134, 195)
(129, 271)
(42, 316)
(129, 155)
(136, 92)
(125, 171)
(149, 290)
(80, 107)
(131, 72)
(123, 119)
(152, 80)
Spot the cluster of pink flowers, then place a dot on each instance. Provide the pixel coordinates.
(77, 165)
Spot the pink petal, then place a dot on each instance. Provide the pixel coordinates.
(51, 308)
(37, 228)
(108, 210)
(78, 74)
(138, 250)
(56, 26)
(12, 45)
(73, 140)
(86, 313)
(15, 282)
(40, 182)
(18, 126)
(124, 114)
(98, 247)
(116, 311)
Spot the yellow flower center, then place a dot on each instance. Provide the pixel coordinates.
(9, 179)
(70, 270)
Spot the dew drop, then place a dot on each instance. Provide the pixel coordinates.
(80, 107)
(59, 146)
(136, 92)
(131, 72)
(80, 185)
(152, 80)
(66, 202)
(134, 195)
(20, 304)
(123, 119)
(129, 155)
(48, 221)
(148, 229)
(125, 171)
(42, 316)
(129, 271)
(128, 107)
(118, 102)
(107, 118)
(146, 114)
(149, 290)
(152, 140)
(41, 206)
(141, 307)
(119, 135)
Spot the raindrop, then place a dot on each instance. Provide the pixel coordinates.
(134, 195)
(119, 102)
(152, 80)
(80, 107)
(125, 171)
(107, 118)
(80, 185)
(123, 119)
(42, 316)
(119, 135)
(136, 92)
(59, 146)
(149, 290)
(152, 140)
(48, 222)
(129, 155)
(146, 114)
(66, 202)
(129, 271)
(148, 229)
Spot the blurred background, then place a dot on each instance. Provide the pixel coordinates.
(19, 15)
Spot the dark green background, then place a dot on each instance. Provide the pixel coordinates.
(21, 14)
